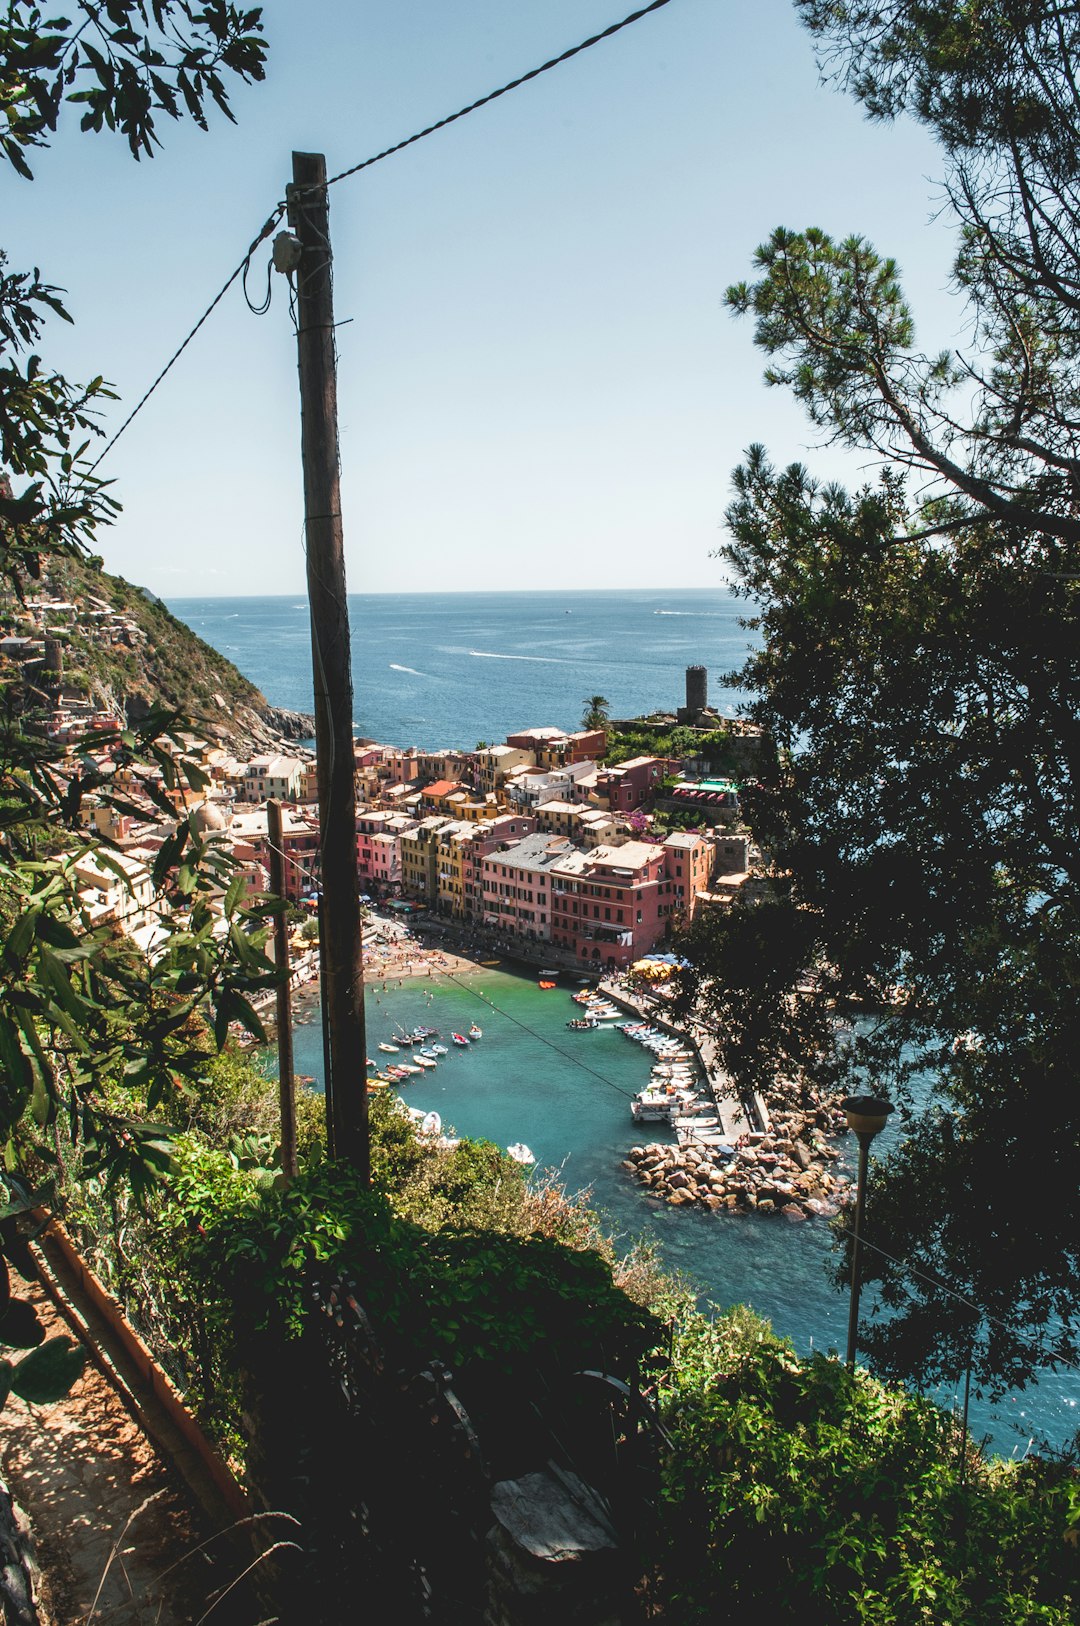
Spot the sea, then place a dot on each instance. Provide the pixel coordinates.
(447, 670)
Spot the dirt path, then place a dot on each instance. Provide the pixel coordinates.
(109, 1519)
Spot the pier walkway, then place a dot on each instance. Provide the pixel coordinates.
(736, 1117)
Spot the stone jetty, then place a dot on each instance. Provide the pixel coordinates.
(787, 1171)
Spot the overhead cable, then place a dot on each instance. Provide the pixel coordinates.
(493, 95)
(279, 210)
(366, 163)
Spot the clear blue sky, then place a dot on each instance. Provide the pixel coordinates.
(539, 385)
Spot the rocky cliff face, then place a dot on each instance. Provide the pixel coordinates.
(123, 649)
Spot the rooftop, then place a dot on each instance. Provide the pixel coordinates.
(541, 850)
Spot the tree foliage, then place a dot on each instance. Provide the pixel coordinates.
(920, 673)
(791, 1484)
(125, 64)
(85, 1014)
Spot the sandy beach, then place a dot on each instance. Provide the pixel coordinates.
(391, 955)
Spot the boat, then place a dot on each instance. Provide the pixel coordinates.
(439, 1049)
(409, 1067)
(475, 1032)
(391, 1049)
(491, 962)
(424, 1061)
(521, 1154)
(546, 971)
(580, 1023)
(547, 985)
(652, 1106)
(459, 1038)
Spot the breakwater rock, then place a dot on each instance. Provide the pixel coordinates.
(787, 1171)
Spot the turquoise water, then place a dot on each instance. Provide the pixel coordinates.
(566, 1095)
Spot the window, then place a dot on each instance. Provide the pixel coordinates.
(639, 917)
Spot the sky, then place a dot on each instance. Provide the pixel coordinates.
(539, 385)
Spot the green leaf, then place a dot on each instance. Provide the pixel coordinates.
(20, 937)
(49, 1373)
(234, 894)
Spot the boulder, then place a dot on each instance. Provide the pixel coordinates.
(792, 1211)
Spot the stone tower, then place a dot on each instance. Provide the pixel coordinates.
(697, 688)
(697, 694)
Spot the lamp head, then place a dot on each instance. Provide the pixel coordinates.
(866, 1114)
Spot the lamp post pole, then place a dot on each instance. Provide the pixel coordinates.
(866, 1116)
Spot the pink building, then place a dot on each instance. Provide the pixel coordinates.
(610, 905)
(632, 784)
(552, 748)
(689, 861)
(517, 886)
(378, 849)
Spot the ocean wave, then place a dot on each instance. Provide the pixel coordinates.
(394, 667)
(711, 613)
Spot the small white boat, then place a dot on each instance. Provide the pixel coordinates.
(409, 1067)
(521, 1154)
(475, 1032)
(459, 1038)
(439, 1050)
(424, 1061)
(391, 1049)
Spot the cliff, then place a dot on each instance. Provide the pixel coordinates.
(121, 648)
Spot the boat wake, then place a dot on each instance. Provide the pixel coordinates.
(394, 667)
(542, 660)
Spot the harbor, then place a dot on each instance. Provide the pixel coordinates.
(567, 1096)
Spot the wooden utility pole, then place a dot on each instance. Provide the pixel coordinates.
(341, 948)
(286, 1066)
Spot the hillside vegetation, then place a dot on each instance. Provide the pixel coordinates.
(162, 664)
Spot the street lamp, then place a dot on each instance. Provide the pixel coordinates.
(867, 1116)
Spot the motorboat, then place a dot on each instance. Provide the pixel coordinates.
(658, 1106)
(391, 1049)
(521, 1154)
(409, 1067)
(439, 1049)
(580, 1023)
(459, 1038)
(475, 1032)
(424, 1061)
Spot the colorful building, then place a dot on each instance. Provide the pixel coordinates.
(517, 886)
(631, 785)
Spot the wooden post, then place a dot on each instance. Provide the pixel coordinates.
(343, 986)
(286, 1067)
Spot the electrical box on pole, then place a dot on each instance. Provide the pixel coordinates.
(340, 948)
